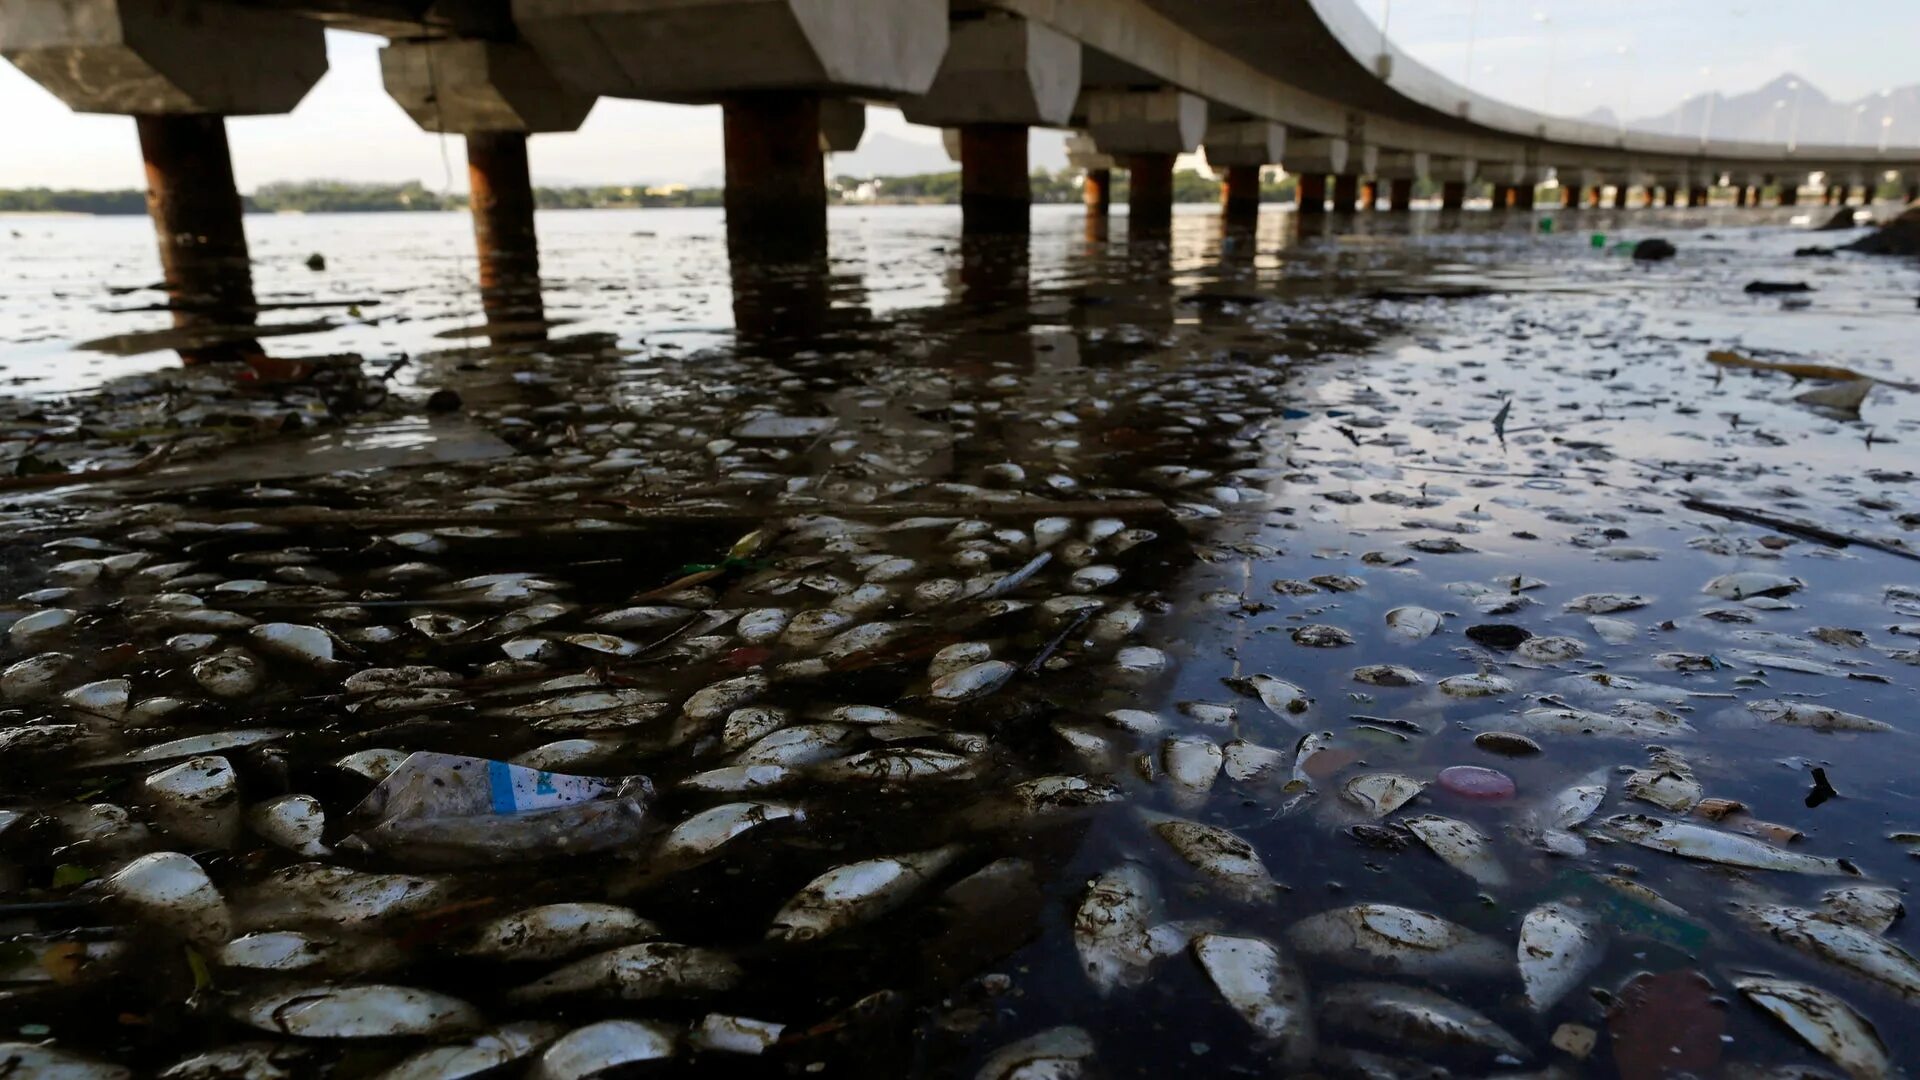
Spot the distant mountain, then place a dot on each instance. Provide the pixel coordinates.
(1790, 109)
(890, 155)
(1603, 116)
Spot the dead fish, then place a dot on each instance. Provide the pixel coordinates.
(744, 727)
(1606, 603)
(958, 657)
(972, 682)
(1042, 797)
(371, 1011)
(1822, 1021)
(895, 765)
(197, 801)
(294, 951)
(1058, 1053)
(1380, 794)
(1692, 841)
(1415, 1018)
(1388, 939)
(242, 1061)
(762, 625)
(1111, 928)
(1481, 684)
(520, 620)
(411, 677)
(1137, 665)
(1550, 650)
(36, 678)
(1808, 715)
(170, 890)
(1559, 945)
(38, 1061)
(1413, 623)
(1192, 763)
(1320, 636)
(1667, 782)
(599, 1049)
(314, 893)
(294, 822)
(1621, 724)
(1551, 825)
(1873, 908)
(1744, 584)
(1264, 987)
(802, 744)
(1460, 846)
(857, 892)
(553, 932)
(1841, 944)
(105, 698)
(643, 972)
(737, 779)
(1387, 675)
(622, 620)
(1232, 863)
(723, 1033)
(308, 645)
(479, 1055)
(1286, 700)
(715, 701)
(701, 836)
(228, 675)
(604, 644)
(1245, 762)
(45, 625)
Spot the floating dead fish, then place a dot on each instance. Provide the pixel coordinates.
(293, 951)
(1388, 939)
(856, 893)
(1139, 664)
(1613, 631)
(1550, 650)
(895, 765)
(958, 657)
(38, 1061)
(317, 894)
(716, 701)
(600, 1049)
(480, 1055)
(1822, 1021)
(1380, 794)
(227, 675)
(308, 645)
(701, 836)
(1841, 944)
(37, 678)
(1606, 603)
(105, 698)
(1559, 945)
(1245, 762)
(1551, 825)
(1192, 763)
(1058, 1053)
(1321, 637)
(356, 1012)
(1712, 845)
(294, 822)
(45, 625)
(1873, 908)
(1654, 724)
(972, 682)
(553, 932)
(1387, 675)
(643, 972)
(249, 1061)
(1667, 782)
(197, 801)
(1744, 584)
(170, 890)
(738, 779)
(1230, 862)
(1111, 928)
(1285, 699)
(1482, 684)
(1264, 987)
(1415, 1018)
(802, 744)
(1460, 846)
(1808, 715)
(1413, 623)
(412, 677)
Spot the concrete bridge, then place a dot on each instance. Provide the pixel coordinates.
(1310, 85)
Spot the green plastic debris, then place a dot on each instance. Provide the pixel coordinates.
(1546, 224)
(1598, 240)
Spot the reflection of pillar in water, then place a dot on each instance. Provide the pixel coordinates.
(779, 308)
(196, 212)
(993, 271)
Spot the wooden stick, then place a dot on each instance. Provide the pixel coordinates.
(365, 518)
(1800, 527)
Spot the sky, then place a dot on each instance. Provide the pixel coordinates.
(1636, 57)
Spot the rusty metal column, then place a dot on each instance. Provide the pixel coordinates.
(503, 226)
(1310, 194)
(1401, 192)
(1098, 191)
(1453, 194)
(1502, 196)
(776, 196)
(1346, 193)
(1150, 192)
(196, 212)
(996, 192)
(1240, 193)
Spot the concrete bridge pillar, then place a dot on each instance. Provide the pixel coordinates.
(179, 68)
(1400, 168)
(1310, 193)
(1241, 148)
(1402, 194)
(1670, 193)
(1346, 193)
(1453, 194)
(1620, 194)
(1569, 197)
(495, 94)
(1313, 158)
(1789, 191)
(1096, 189)
(1697, 196)
(1740, 195)
(1523, 196)
(1913, 191)
(768, 63)
(1001, 74)
(1369, 198)
(1146, 129)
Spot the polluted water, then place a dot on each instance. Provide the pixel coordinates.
(1394, 648)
